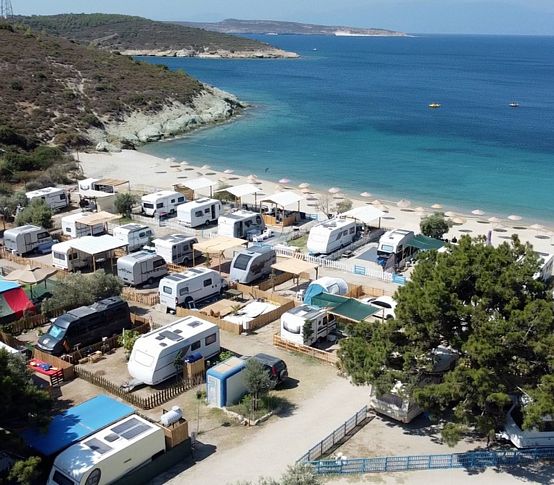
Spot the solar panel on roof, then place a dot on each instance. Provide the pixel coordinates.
(125, 426)
(98, 446)
(194, 323)
(171, 335)
(136, 431)
(196, 271)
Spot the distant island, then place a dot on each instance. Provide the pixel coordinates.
(138, 36)
(276, 27)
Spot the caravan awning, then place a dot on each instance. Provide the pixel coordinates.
(241, 190)
(95, 218)
(344, 307)
(219, 244)
(283, 199)
(197, 184)
(95, 244)
(294, 266)
(425, 243)
(111, 182)
(366, 214)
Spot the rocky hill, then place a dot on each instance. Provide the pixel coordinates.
(56, 90)
(140, 36)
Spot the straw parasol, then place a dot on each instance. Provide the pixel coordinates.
(536, 227)
(436, 206)
(228, 171)
(458, 220)
(376, 202)
(450, 214)
(494, 220)
(403, 204)
(477, 212)
(184, 162)
(284, 181)
(303, 185)
(334, 190)
(420, 210)
(365, 194)
(514, 217)
(305, 190)
(31, 276)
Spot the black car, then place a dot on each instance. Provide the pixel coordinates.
(276, 368)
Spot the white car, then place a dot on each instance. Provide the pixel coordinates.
(387, 303)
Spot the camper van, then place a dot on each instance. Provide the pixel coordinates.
(190, 287)
(155, 354)
(198, 212)
(53, 197)
(134, 235)
(306, 324)
(26, 239)
(175, 248)
(73, 228)
(252, 264)
(329, 236)
(395, 243)
(163, 202)
(141, 267)
(242, 224)
(64, 256)
(109, 454)
(86, 325)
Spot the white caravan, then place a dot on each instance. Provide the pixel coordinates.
(394, 242)
(136, 236)
(329, 236)
(162, 202)
(306, 324)
(158, 355)
(141, 267)
(65, 257)
(190, 287)
(198, 212)
(53, 197)
(109, 454)
(252, 264)
(175, 248)
(73, 228)
(242, 224)
(25, 239)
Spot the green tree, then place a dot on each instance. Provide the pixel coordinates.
(37, 213)
(434, 225)
(257, 381)
(124, 203)
(298, 474)
(26, 471)
(9, 204)
(481, 302)
(344, 205)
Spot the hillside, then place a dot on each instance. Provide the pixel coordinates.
(140, 36)
(235, 26)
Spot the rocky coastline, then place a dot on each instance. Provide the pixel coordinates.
(269, 53)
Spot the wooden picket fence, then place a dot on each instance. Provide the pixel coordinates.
(148, 299)
(328, 357)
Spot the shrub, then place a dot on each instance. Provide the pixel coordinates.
(434, 225)
(37, 213)
(124, 203)
(344, 205)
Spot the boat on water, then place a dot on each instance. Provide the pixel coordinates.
(514, 104)
(434, 105)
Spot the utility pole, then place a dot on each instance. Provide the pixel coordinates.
(6, 10)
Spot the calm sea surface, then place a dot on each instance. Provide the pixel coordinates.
(353, 113)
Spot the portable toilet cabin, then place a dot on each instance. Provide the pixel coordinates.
(225, 382)
(326, 284)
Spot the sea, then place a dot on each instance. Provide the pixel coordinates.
(353, 113)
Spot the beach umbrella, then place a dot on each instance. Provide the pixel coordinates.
(170, 159)
(205, 167)
(184, 162)
(537, 227)
(436, 206)
(458, 220)
(303, 185)
(279, 187)
(450, 214)
(334, 190)
(377, 203)
(477, 212)
(284, 181)
(494, 220)
(228, 171)
(420, 209)
(31, 276)
(514, 217)
(305, 190)
(365, 194)
(403, 204)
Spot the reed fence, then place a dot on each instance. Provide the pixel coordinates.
(33, 263)
(148, 299)
(328, 357)
(28, 322)
(274, 281)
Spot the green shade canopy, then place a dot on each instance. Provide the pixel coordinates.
(425, 243)
(343, 307)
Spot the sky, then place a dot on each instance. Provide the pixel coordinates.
(527, 17)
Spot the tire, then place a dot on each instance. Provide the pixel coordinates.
(188, 302)
(149, 281)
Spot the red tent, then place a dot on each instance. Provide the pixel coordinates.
(14, 302)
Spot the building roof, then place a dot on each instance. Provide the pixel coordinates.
(23, 229)
(241, 190)
(77, 423)
(199, 183)
(93, 218)
(425, 243)
(283, 198)
(238, 215)
(294, 266)
(365, 214)
(219, 244)
(44, 191)
(95, 244)
(172, 239)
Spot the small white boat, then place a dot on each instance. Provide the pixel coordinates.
(434, 105)
(514, 104)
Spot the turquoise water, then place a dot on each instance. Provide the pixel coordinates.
(354, 114)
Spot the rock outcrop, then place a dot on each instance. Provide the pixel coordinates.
(269, 53)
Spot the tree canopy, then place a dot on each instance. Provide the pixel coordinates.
(124, 203)
(434, 225)
(37, 213)
(483, 303)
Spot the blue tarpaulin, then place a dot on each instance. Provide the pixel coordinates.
(77, 423)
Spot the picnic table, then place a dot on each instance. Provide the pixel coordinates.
(234, 294)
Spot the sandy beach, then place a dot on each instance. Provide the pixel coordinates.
(149, 171)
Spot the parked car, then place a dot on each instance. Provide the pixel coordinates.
(276, 368)
(387, 303)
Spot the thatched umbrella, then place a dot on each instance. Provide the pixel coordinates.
(31, 276)
(403, 204)
(436, 206)
(477, 212)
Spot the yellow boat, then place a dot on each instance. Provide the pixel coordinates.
(434, 105)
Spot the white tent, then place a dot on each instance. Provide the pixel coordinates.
(366, 214)
(96, 244)
(199, 184)
(241, 190)
(283, 199)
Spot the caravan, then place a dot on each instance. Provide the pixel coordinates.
(53, 197)
(134, 235)
(64, 256)
(109, 454)
(329, 236)
(141, 267)
(26, 239)
(190, 287)
(157, 355)
(175, 248)
(162, 202)
(306, 324)
(73, 228)
(252, 264)
(241, 224)
(393, 243)
(199, 212)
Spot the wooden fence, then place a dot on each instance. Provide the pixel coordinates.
(12, 341)
(276, 280)
(33, 321)
(67, 367)
(143, 402)
(148, 299)
(370, 291)
(327, 357)
(230, 327)
(266, 318)
(266, 295)
(9, 256)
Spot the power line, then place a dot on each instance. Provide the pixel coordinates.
(6, 10)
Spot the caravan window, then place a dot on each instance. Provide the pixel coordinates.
(59, 256)
(68, 229)
(42, 235)
(142, 234)
(173, 201)
(387, 247)
(207, 283)
(181, 199)
(198, 214)
(195, 345)
(62, 196)
(258, 220)
(157, 263)
(167, 289)
(184, 291)
(242, 261)
(62, 479)
(210, 339)
(159, 205)
(207, 211)
(147, 205)
(338, 236)
(295, 329)
(352, 230)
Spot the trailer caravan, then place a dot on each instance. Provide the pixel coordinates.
(199, 212)
(306, 324)
(190, 287)
(176, 248)
(156, 355)
(136, 236)
(162, 202)
(329, 236)
(73, 228)
(141, 267)
(394, 243)
(26, 239)
(252, 264)
(109, 454)
(64, 256)
(241, 224)
(53, 197)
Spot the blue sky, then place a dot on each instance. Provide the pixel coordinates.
(534, 17)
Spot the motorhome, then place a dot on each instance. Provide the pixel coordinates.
(162, 202)
(252, 264)
(199, 212)
(109, 454)
(306, 324)
(86, 325)
(141, 267)
(241, 224)
(190, 287)
(176, 248)
(329, 236)
(26, 239)
(73, 228)
(64, 256)
(53, 197)
(394, 243)
(156, 355)
(136, 236)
